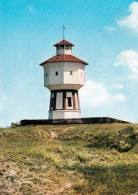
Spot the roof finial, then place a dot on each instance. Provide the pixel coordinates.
(63, 31)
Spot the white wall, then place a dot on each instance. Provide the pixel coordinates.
(77, 69)
(51, 69)
(58, 114)
(64, 51)
(64, 80)
(59, 100)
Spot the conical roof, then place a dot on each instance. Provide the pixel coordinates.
(63, 42)
(63, 58)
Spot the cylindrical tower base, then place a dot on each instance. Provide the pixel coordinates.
(64, 104)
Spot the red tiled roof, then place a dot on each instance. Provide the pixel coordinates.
(63, 42)
(63, 58)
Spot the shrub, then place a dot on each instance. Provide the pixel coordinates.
(125, 140)
(122, 141)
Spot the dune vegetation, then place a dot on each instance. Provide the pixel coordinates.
(69, 159)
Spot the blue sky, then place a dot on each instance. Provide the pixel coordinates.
(105, 34)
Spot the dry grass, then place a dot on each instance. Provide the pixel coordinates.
(69, 159)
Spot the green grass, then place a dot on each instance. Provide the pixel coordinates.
(69, 159)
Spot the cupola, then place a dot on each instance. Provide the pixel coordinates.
(63, 47)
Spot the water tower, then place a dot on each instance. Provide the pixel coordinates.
(64, 75)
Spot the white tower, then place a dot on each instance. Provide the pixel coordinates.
(64, 76)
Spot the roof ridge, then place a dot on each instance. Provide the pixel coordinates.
(63, 42)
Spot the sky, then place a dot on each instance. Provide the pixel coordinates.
(105, 34)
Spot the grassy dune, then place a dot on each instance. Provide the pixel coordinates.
(69, 159)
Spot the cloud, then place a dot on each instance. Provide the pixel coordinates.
(110, 28)
(95, 94)
(128, 58)
(131, 21)
(118, 86)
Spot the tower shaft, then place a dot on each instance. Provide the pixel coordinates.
(64, 104)
(64, 76)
